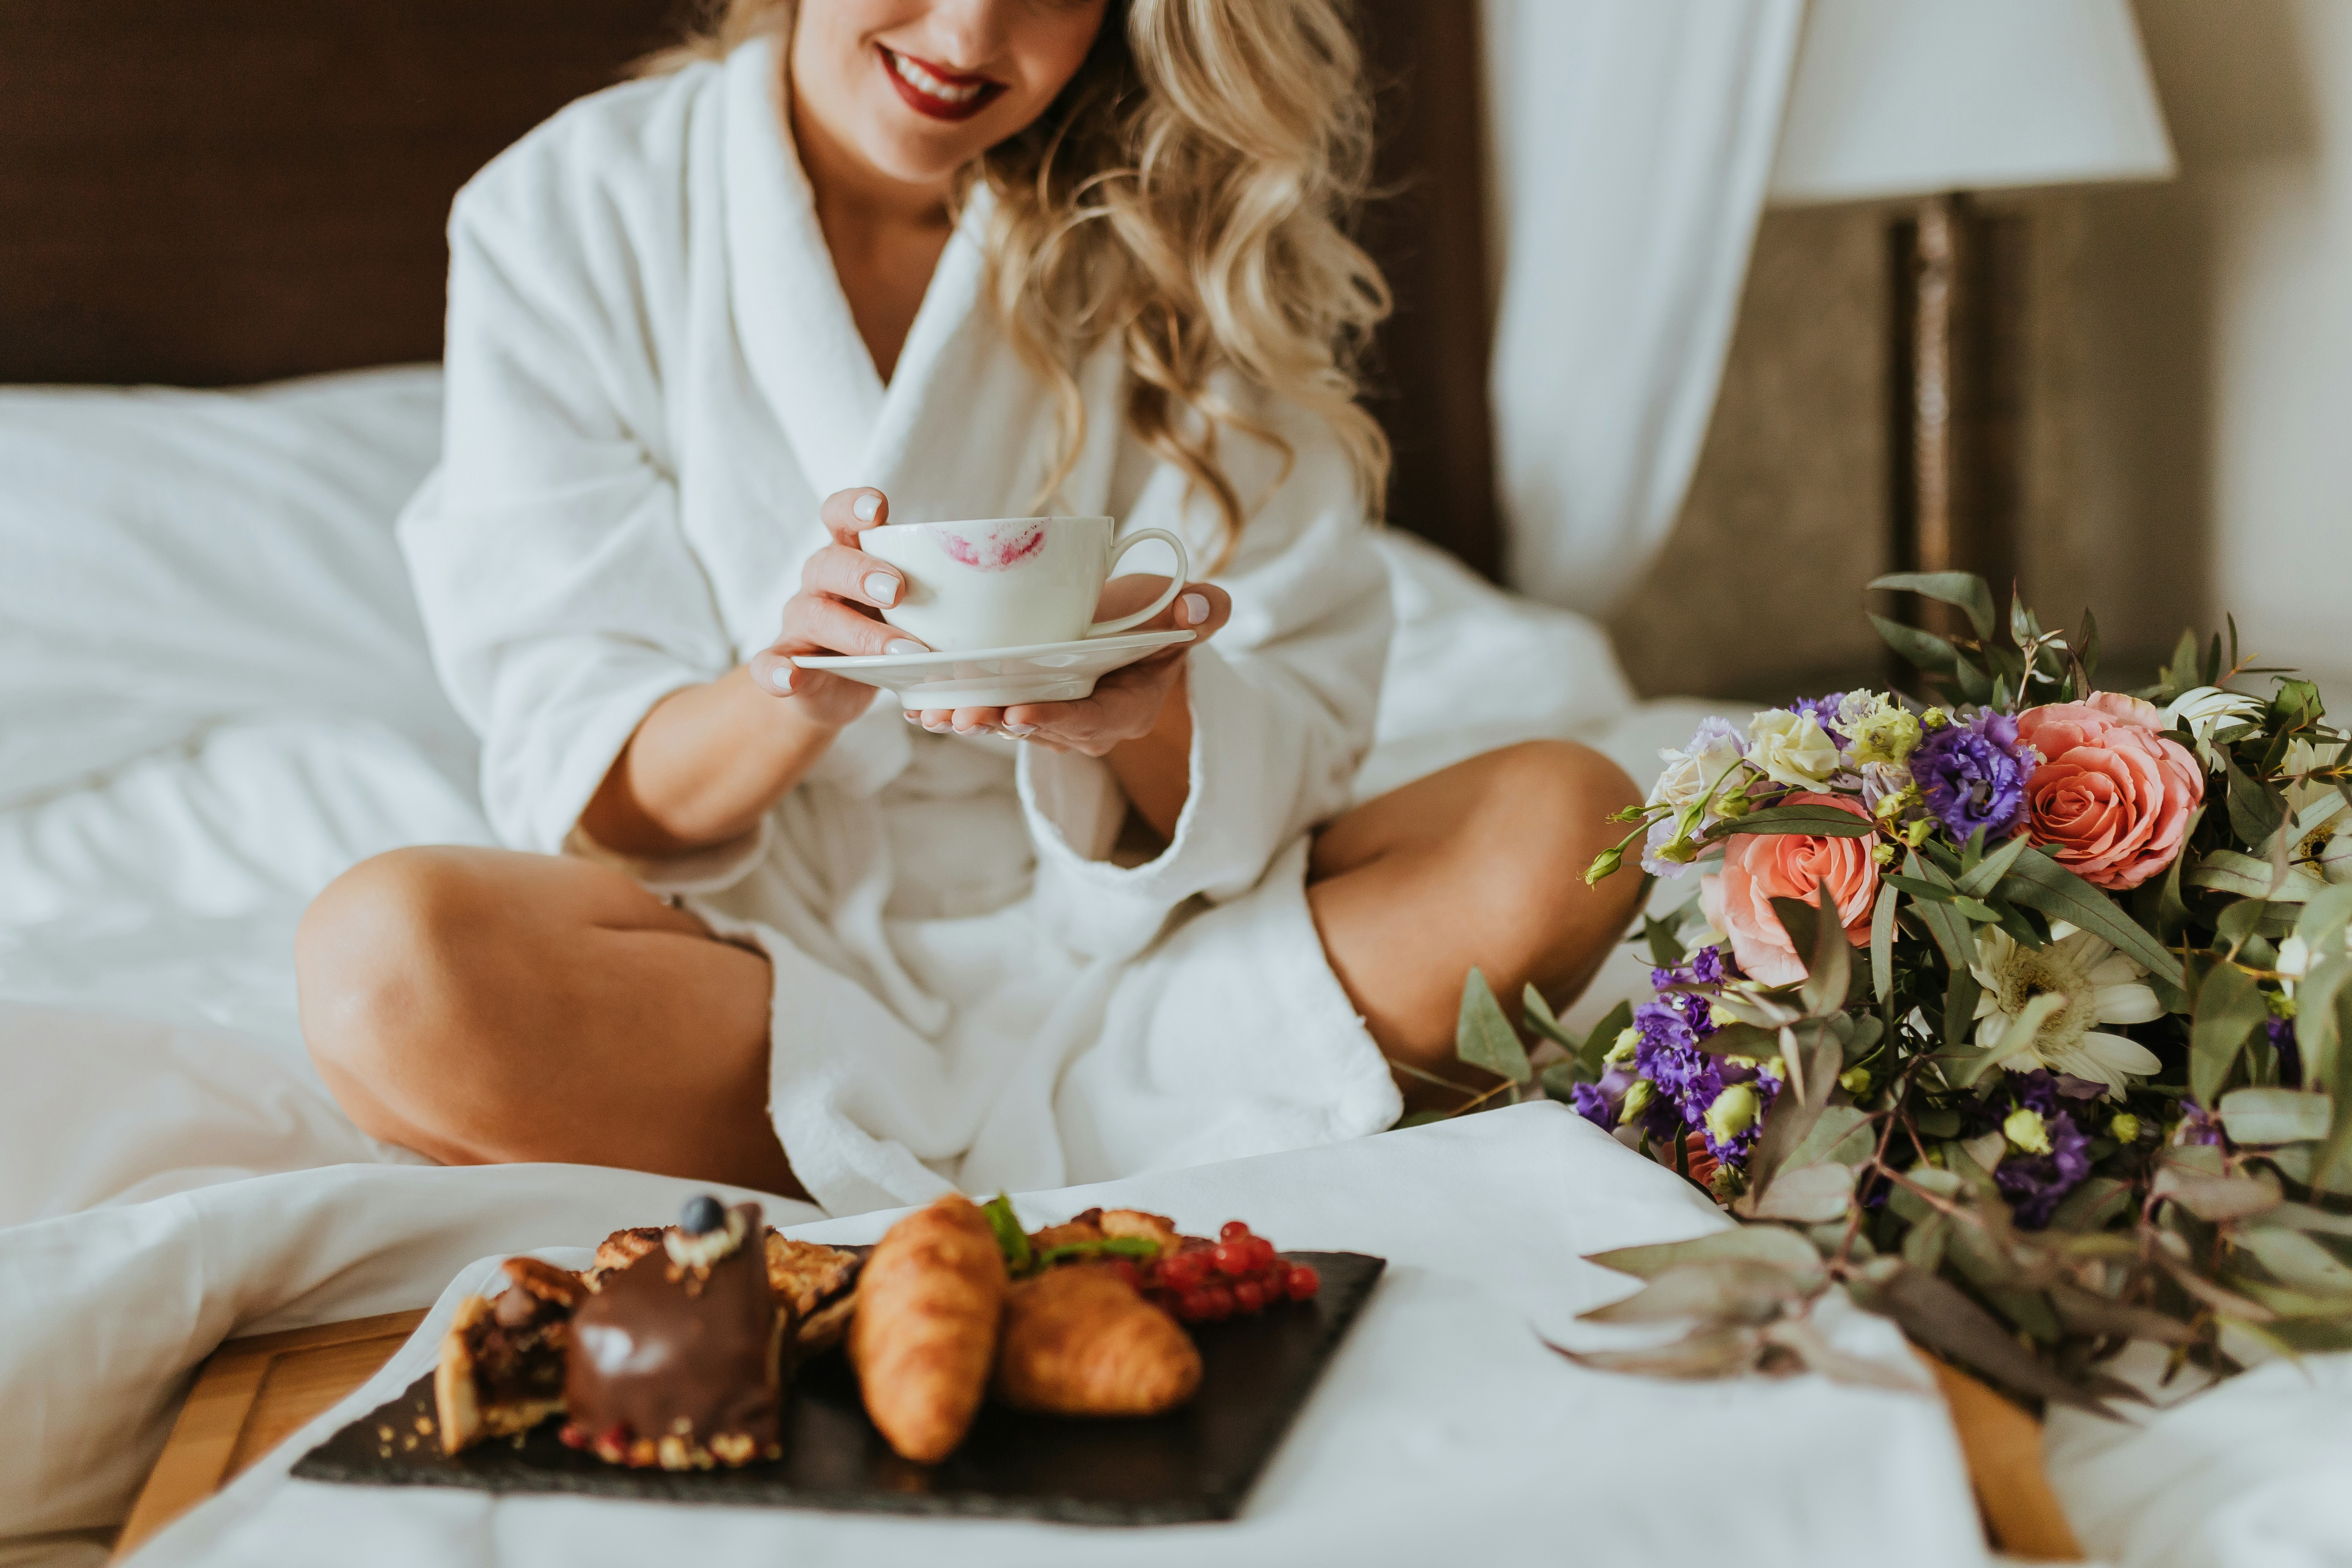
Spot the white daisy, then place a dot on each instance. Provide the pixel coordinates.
(2040, 1005)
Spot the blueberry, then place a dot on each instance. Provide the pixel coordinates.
(701, 1216)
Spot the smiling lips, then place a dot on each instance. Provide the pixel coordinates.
(931, 91)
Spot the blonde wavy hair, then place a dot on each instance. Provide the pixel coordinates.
(1189, 194)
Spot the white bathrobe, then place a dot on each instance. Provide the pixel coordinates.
(653, 381)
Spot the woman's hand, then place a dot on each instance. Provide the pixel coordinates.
(838, 610)
(1128, 703)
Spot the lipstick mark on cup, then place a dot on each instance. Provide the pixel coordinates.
(994, 549)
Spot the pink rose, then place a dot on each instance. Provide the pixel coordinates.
(1760, 866)
(2113, 794)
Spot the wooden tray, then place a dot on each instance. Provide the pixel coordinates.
(1196, 1462)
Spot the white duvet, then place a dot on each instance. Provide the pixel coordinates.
(214, 696)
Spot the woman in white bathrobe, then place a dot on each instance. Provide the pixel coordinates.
(911, 260)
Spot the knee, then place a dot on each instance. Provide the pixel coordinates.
(379, 963)
(1544, 814)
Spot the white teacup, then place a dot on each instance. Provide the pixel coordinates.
(1010, 581)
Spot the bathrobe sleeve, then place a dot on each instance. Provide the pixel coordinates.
(1282, 702)
(560, 596)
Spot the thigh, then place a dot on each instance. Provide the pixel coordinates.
(486, 1005)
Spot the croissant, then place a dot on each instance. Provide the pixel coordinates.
(925, 1331)
(1080, 1341)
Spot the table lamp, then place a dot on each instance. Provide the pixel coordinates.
(1934, 100)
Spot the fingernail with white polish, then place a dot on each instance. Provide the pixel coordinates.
(1021, 729)
(781, 677)
(1195, 608)
(910, 718)
(904, 644)
(864, 508)
(881, 588)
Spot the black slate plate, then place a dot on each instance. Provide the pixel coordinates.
(1196, 1463)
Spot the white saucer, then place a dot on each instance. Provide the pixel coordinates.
(997, 676)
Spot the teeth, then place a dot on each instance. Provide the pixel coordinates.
(930, 85)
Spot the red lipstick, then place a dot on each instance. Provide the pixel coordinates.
(934, 91)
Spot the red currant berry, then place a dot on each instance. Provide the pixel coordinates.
(1304, 1282)
(1218, 1300)
(1194, 1306)
(1250, 1296)
(1261, 1252)
(1125, 1269)
(1233, 1228)
(574, 1435)
(1184, 1271)
(1232, 1257)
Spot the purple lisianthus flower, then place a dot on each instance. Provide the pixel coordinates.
(1589, 1103)
(2035, 1183)
(1973, 776)
(2197, 1125)
(1687, 1080)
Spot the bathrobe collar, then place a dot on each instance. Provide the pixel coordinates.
(793, 320)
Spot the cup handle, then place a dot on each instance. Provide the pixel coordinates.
(1175, 585)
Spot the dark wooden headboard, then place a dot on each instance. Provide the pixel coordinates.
(207, 192)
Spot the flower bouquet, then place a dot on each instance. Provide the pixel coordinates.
(2018, 1012)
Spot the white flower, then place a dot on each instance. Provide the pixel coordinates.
(1711, 756)
(2295, 957)
(2040, 1005)
(2208, 709)
(1792, 748)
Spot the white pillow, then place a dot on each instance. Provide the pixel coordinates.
(170, 560)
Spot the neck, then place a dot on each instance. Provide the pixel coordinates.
(848, 188)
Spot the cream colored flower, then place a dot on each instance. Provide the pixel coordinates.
(1792, 748)
(2208, 709)
(2040, 1007)
(1884, 732)
(1711, 758)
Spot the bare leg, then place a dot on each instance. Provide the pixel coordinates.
(1479, 864)
(481, 1005)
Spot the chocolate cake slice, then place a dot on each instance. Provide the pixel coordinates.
(502, 1359)
(818, 1284)
(676, 1358)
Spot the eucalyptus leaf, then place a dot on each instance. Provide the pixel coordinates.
(1882, 943)
(1483, 1036)
(2301, 1162)
(1922, 650)
(1706, 1354)
(1923, 1243)
(2229, 1009)
(1786, 1121)
(2304, 1217)
(2253, 1116)
(1559, 1080)
(1986, 875)
(2039, 882)
(1538, 1015)
(1757, 1243)
(1940, 1317)
(2229, 872)
(1842, 1137)
(1717, 1291)
(2091, 1205)
(1603, 1037)
(1813, 1194)
(1963, 591)
(1821, 821)
(1944, 922)
(2298, 1260)
(2325, 916)
(2083, 1312)
(2255, 808)
(2215, 1197)
(1742, 1040)
(1813, 1351)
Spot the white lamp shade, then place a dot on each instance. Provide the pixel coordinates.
(1895, 98)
